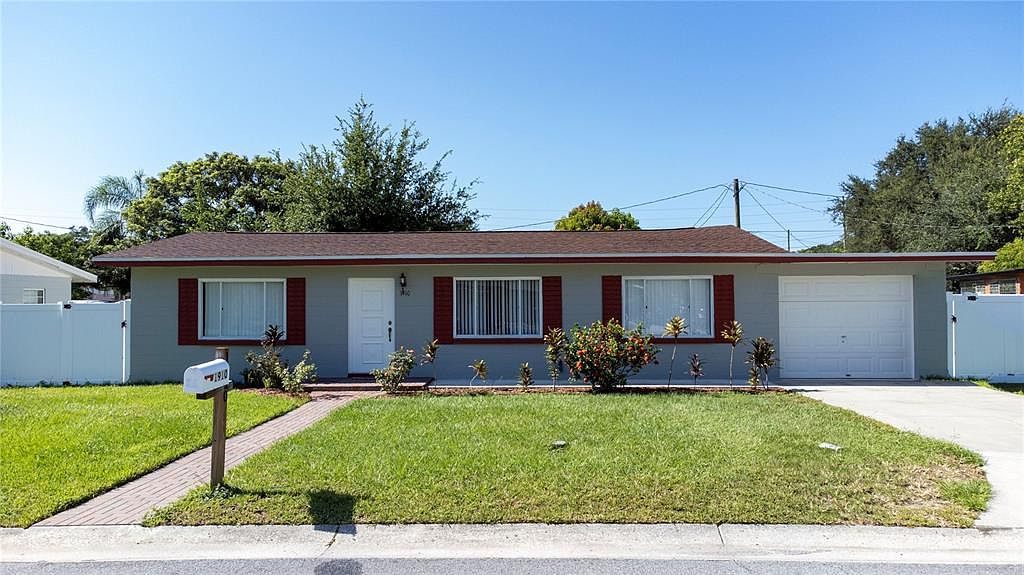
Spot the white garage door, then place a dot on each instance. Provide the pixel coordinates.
(855, 327)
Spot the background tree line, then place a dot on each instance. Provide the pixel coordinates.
(951, 186)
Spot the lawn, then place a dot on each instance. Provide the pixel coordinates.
(705, 458)
(63, 445)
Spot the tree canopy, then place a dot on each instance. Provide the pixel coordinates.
(1008, 257)
(591, 216)
(371, 179)
(947, 188)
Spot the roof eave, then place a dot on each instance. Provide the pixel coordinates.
(424, 259)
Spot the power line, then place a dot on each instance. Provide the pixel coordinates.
(784, 228)
(712, 209)
(808, 208)
(647, 203)
(36, 223)
(794, 190)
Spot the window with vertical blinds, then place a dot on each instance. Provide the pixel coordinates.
(654, 301)
(241, 309)
(504, 307)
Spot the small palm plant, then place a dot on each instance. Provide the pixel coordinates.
(554, 353)
(761, 357)
(674, 328)
(479, 368)
(753, 376)
(733, 333)
(696, 368)
(429, 356)
(525, 375)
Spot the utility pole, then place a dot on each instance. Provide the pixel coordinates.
(736, 198)
(788, 248)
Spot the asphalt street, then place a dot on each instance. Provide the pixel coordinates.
(498, 567)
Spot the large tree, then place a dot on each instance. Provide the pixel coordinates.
(936, 191)
(1008, 257)
(372, 179)
(591, 216)
(218, 192)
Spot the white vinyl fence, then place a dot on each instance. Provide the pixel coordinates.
(75, 342)
(987, 338)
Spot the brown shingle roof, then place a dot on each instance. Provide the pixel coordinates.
(239, 245)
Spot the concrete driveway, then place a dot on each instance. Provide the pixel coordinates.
(985, 421)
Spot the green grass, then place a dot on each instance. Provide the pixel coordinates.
(705, 458)
(1014, 388)
(60, 446)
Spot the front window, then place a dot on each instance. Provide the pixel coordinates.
(654, 301)
(33, 296)
(504, 307)
(241, 309)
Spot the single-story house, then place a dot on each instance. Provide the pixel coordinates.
(27, 276)
(1001, 282)
(352, 298)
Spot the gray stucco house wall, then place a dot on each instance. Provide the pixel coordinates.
(156, 355)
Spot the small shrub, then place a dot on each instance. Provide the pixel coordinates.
(300, 374)
(479, 368)
(732, 333)
(674, 328)
(696, 368)
(400, 363)
(753, 376)
(429, 356)
(761, 358)
(525, 375)
(554, 353)
(267, 369)
(606, 354)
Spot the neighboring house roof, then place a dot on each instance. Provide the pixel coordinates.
(716, 243)
(76, 275)
(984, 275)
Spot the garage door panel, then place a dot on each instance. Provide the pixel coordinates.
(846, 326)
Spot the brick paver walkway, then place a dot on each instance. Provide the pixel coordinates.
(128, 504)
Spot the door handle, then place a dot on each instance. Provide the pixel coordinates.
(389, 331)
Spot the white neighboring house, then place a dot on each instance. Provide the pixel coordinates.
(27, 276)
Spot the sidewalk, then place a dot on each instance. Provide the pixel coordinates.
(797, 543)
(129, 503)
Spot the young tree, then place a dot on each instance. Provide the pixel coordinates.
(372, 179)
(732, 333)
(591, 216)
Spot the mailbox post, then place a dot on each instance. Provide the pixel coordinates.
(213, 380)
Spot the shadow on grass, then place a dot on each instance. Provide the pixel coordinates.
(330, 510)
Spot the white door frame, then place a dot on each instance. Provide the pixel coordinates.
(388, 331)
(912, 335)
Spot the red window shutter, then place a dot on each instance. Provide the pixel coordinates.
(188, 311)
(444, 309)
(611, 298)
(295, 310)
(725, 304)
(551, 290)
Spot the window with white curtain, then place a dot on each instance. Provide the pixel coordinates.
(241, 309)
(497, 307)
(654, 301)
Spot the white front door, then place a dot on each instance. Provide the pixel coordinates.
(371, 323)
(857, 327)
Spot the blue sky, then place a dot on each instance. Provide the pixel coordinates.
(548, 105)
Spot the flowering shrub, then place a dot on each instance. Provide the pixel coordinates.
(400, 363)
(605, 354)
